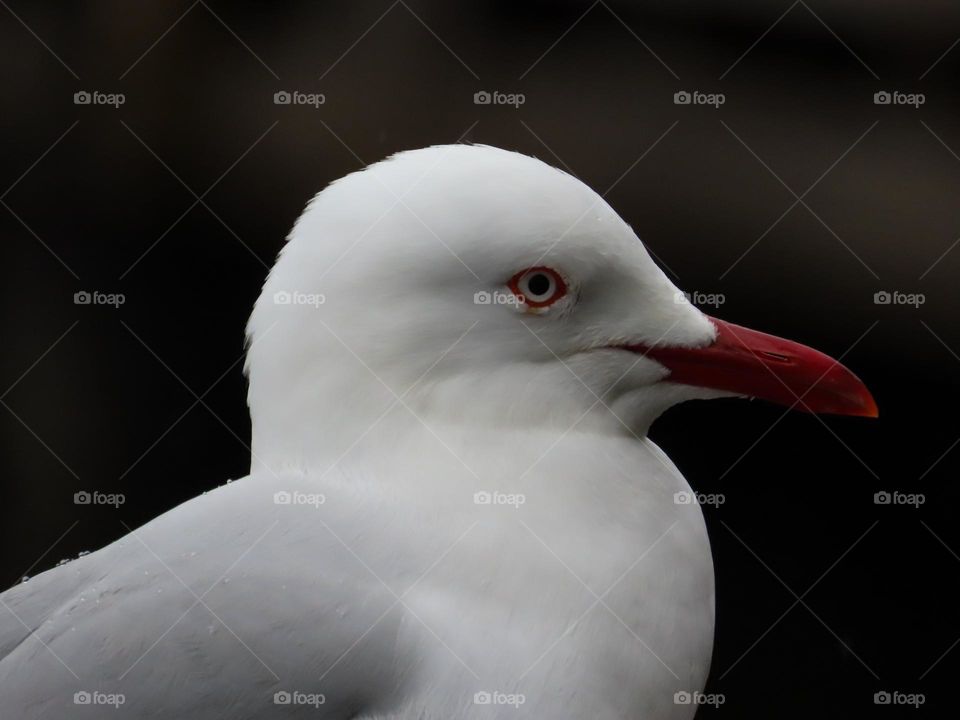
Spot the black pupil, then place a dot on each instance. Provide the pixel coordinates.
(538, 284)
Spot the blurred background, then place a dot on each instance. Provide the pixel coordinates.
(807, 188)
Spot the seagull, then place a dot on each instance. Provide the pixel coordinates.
(453, 508)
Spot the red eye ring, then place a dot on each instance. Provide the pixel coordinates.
(539, 286)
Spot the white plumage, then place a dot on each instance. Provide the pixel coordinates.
(453, 509)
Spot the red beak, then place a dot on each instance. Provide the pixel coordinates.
(754, 364)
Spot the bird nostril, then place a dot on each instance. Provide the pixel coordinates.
(777, 357)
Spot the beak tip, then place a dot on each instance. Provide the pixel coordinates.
(859, 403)
(870, 409)
(862, 402)
(846, 395)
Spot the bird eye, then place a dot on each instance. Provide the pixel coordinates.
(539, 287)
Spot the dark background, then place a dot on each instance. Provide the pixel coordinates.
(149, 399)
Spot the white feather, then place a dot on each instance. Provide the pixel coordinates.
(383, 388)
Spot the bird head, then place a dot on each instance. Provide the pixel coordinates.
(484, 286)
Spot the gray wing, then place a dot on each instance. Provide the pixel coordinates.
(209, 611)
